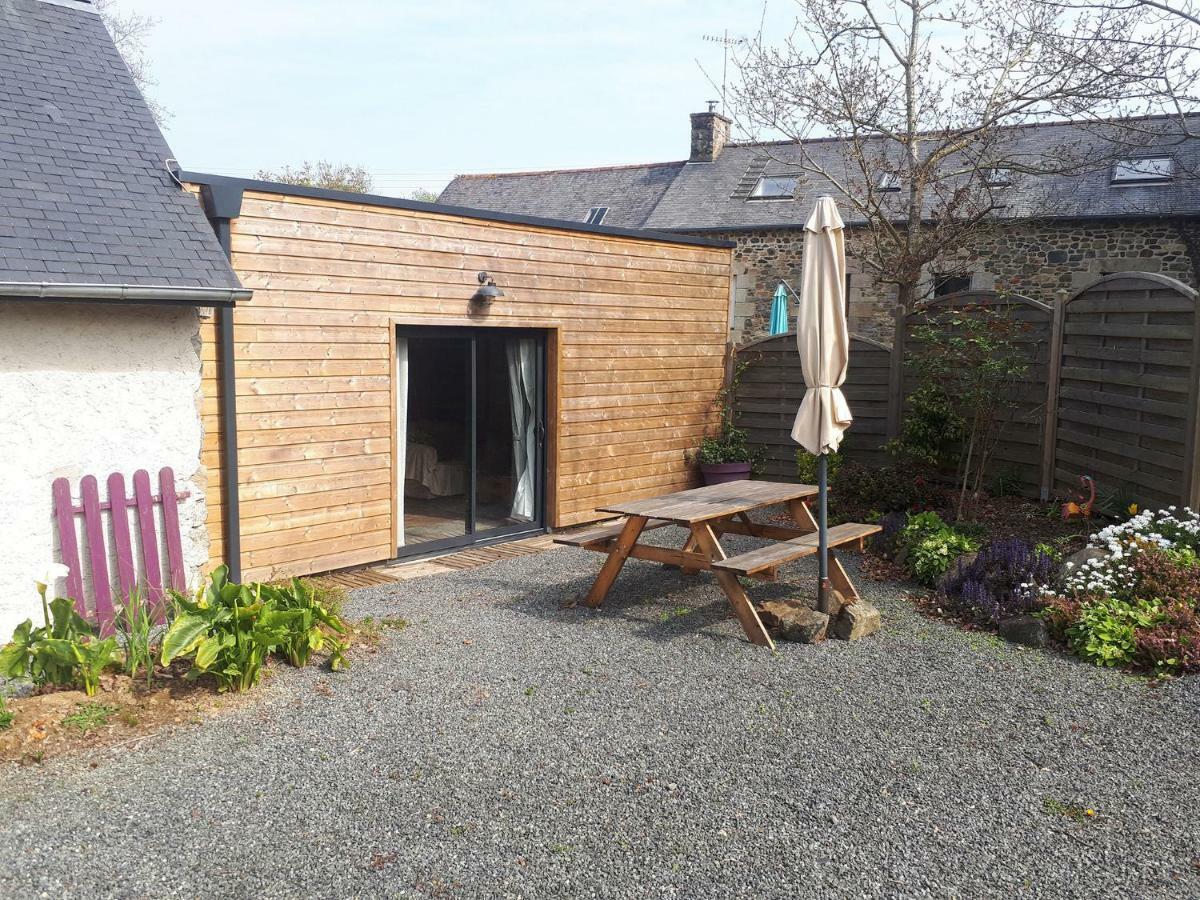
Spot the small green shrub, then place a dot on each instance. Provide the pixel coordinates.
(932, 546)
(1106, 631)
(310, 626)
(6, 715)
(729, 446)
(806, 466)
(858, 492)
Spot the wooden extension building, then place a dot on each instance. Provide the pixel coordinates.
(411, 377)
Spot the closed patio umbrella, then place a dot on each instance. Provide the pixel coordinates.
(824, 343)
(779, 311)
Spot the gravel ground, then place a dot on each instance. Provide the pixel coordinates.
(503, 746)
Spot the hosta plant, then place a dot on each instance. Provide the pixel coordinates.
(1106, 631)
(228, 630)
(931, 546)
(313, 626)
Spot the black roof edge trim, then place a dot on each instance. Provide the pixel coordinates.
(467, 212)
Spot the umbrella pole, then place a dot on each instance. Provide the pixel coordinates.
(823, 532)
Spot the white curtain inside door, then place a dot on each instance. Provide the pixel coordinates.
(401, 431)
(522, 385)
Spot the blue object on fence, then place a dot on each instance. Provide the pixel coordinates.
(779, 311)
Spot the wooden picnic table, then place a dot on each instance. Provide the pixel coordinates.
(709, 513)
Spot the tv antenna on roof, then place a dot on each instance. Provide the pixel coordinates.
(726, 42)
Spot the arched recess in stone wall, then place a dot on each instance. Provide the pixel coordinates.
(1128, 390)
(1018, 454)
(771, 386)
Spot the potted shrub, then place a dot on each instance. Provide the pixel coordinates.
(725, 456)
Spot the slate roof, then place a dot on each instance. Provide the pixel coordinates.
(629, 192)
(712, 196)
(85, 197)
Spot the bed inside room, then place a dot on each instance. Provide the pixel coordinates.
(470, 409)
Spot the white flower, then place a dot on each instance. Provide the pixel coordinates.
(49, 575)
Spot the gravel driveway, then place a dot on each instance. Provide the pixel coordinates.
(503, 746)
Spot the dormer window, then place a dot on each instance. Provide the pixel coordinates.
(775, 187)
(596, 215)
(997, 177)
(889, 183)
(1143, 170)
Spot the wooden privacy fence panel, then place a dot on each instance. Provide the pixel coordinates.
(100, 609)
(771, 387)
(1127, 396)
(1018, 455)
(1112, 390)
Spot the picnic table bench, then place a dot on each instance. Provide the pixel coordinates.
(708, 513)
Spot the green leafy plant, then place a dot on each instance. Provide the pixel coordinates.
(311, 627)
(1106, 631)
(932, 546)
(729, 444)
(65, 651)
(806, 466)
(89, 716)
(969, 364)
(228, 630)
(6, 714)
(140, 632)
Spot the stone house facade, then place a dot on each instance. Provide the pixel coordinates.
(1042, 260)
(1104, 221)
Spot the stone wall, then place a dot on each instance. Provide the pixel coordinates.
(89, 389)
(1039, 260)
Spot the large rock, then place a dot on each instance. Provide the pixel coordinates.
(793, 621)
(832, 607)
(857, 620)
(1081, 558)
(961, 562)
(1027, 630)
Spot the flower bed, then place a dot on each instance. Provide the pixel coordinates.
(1130, 598)
(81, 690)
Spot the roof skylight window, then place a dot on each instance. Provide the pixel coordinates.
(775, 187)
(1143, 170)
(596, 215)
(889, 182)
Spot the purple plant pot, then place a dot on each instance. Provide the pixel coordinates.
(723, 472)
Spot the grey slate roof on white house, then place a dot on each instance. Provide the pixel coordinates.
(85, 196)
(713, 195)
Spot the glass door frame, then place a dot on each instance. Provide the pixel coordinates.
(473, 537)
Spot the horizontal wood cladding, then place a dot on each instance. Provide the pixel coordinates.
(639, 330)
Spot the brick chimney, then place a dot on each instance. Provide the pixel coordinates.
(710, 133)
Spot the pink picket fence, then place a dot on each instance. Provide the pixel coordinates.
(154, 577)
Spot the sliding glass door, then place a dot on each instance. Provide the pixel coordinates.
(471, 413)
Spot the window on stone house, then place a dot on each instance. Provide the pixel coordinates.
(950, 284)
(1143, 170)
(775, 187)
(596, 215)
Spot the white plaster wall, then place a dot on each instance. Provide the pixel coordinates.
(89, 389)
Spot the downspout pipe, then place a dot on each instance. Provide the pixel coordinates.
(223, 204)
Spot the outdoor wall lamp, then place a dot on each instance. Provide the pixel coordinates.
(487, 289)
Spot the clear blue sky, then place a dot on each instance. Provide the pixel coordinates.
(418, 91)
